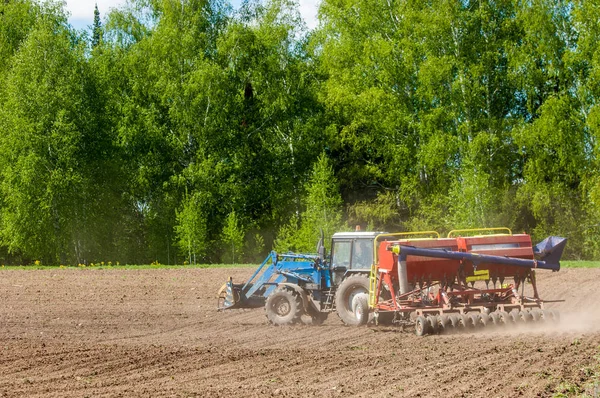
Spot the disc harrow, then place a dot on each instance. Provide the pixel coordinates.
(474, 322)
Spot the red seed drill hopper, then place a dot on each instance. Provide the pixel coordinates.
(460, 282)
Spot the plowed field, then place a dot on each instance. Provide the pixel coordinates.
(153, 333)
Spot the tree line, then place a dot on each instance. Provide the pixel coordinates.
(186, 130)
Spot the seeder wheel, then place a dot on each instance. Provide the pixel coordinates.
(422, 326)
(360, 307)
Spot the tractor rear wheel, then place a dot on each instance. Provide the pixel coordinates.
(347, 291)
(284, 307)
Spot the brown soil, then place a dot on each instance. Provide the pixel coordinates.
(156, 333)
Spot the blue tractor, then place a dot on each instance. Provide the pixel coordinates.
(292, 285)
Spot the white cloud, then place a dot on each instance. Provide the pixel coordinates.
(308, 10)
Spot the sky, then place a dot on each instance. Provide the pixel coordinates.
(82, 11)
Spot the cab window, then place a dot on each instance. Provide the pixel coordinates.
(341, 254)
(362, 253)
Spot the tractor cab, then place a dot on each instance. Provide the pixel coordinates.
(351, 252)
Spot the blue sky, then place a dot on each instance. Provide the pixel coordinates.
(82, 11)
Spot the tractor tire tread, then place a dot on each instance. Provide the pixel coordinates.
(343, 306)
(295, 303)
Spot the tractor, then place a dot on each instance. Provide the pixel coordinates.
(415, 278)
(292, 285)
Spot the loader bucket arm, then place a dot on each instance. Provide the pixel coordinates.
(274, 270)
(237, 295)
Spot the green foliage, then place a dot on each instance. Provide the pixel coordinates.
(50, 146)
(380, 214)
(323, 201)
(232, 238)
(554, 150)
(191, 229)
(288, 236)
(96, 28)
(473, 198)
(255, 248)
(323, 212)
(192, 126)
(580, 264)
(17, 19)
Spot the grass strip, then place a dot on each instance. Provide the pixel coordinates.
(580, 264)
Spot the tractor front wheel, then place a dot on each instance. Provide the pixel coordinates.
(351, 289)
(284, 307)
